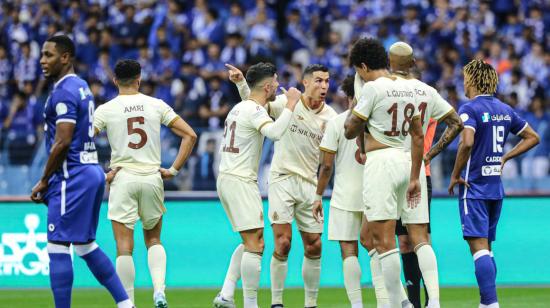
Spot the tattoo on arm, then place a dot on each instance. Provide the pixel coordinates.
(454, 127)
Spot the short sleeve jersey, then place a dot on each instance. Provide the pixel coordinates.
(492, 121)
(389, 106)
(297, 152)
(133, 126)
(346, 195)
(242, 142)
(71, 101)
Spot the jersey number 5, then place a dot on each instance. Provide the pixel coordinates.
(139, 131)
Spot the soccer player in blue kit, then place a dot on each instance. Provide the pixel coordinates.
(479, 161)
(72, 184)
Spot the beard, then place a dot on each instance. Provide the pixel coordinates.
(271, 97)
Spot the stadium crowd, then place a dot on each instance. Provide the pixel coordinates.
(182, 47)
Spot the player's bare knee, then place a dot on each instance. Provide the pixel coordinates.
(312, 249)
(404, 244)
(348, 250)
(418, 234)
(152, 242)
(282, 244)
(366, 242)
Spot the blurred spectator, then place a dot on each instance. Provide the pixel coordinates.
(214, 110)
(234, 52)
(5, 73)
(26, 66)
(21, 124)
(535, 163)
(204, 178)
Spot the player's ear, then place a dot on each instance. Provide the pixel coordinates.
(365, 67)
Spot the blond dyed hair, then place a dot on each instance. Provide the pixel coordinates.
(482, 76)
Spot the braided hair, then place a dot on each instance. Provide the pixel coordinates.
(482, 76)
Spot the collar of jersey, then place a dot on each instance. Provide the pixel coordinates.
(483, 95)
(63, 78)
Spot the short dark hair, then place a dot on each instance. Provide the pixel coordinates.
(258, 72)
(312, 68)
(126, 71)
(63, 44)
(347, 86)
(369, 51)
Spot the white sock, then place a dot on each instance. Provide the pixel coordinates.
(125, 304)
(352, 281)
(126, 272)
(251, 265)
(311, 273)
(233, 273)
(391, 269)
(378, 280)
(156, 257)
(279, 270)
(428, 266)
(493, 305)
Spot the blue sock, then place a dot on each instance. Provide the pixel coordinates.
(105, 273)
(61, 278)
(485, 275)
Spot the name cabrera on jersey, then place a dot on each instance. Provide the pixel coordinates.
(133, 128)
(72, 101)
(347, 194)
(242, 143)
(389, 105)
(297, 152)
(492, 121)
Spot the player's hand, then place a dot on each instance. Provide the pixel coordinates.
(318, 211)
(455, 181)
(165, 174)
(413, 193)
(293, 96)
(235, 74)
(38, 191)
(110, 176)
(426, 159)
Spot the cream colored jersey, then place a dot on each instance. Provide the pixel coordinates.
(297, 152)
(430, 104)
(389, 106)
(242, 144)
(133, 124)
(347, 194)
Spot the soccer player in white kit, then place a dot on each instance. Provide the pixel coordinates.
(346, 206)
(417, 242)
(245, 127)
(133, 121)
(391, 174)
(293, 180)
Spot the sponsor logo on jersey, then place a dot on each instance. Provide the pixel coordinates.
(490, 170)
(485, 117)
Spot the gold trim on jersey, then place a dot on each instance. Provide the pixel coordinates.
(173, 120)
(359, 115)
(264, 124)
(327, 150)
(445, 115)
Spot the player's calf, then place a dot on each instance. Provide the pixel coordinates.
(61, 274)
(103, 270)
(352, 272)
(311, 267)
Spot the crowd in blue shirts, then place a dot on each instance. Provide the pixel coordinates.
(183, 45)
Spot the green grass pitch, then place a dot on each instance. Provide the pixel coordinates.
(328, 298)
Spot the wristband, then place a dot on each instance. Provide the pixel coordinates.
(318, 197)
(173, 171)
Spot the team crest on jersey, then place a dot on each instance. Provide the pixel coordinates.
(275, 216)
(61, 109)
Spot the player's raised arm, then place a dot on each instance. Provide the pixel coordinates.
(58, 154)
(189, 137)
(237, 77)
(275, 130)
(454, 127)
(417, 150)
(529, 139)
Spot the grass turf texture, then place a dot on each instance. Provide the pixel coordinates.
(329, 298)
